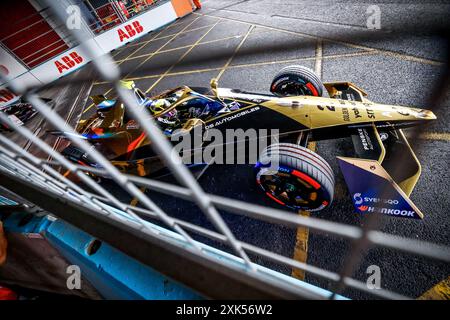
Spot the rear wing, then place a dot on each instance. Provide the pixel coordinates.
(99, 98)
(383, 174)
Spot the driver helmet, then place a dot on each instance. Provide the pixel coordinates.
(159, 105)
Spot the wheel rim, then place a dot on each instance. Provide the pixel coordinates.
(297, 89)
(292, 188)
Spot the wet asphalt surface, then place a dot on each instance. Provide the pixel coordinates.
(391, 68)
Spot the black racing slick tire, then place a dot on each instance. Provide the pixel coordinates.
(297, 81)
(295, 177)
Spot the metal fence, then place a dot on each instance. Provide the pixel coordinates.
(33, 175)
(104, 15)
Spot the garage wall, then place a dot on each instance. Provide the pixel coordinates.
(27, 34)
(71, 59)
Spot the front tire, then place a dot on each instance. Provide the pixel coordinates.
(297, 81)
(295, 177)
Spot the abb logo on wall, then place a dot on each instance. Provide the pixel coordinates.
(6, 95)
(68, 62)
(130, 30)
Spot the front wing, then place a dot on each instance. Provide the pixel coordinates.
(384, 174)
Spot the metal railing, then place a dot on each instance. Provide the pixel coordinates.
(116, 14)
(25, 169)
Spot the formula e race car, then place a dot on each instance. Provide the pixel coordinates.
(303, 109)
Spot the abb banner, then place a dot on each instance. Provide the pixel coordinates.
(9, 66)
(64, 63)
(74, 58)
(59, 66)
(6, 96)
(130, 30)
(68, 61)
(134, 28)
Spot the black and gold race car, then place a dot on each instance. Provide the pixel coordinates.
(303, 110)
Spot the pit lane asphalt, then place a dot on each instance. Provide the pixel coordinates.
(401, 71)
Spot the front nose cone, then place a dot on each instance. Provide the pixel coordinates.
(427, 115)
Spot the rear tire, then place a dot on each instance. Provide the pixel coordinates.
(295, 177)
(297, 81)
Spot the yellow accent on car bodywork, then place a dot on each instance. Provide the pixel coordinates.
(319, 112)
(441, 291)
